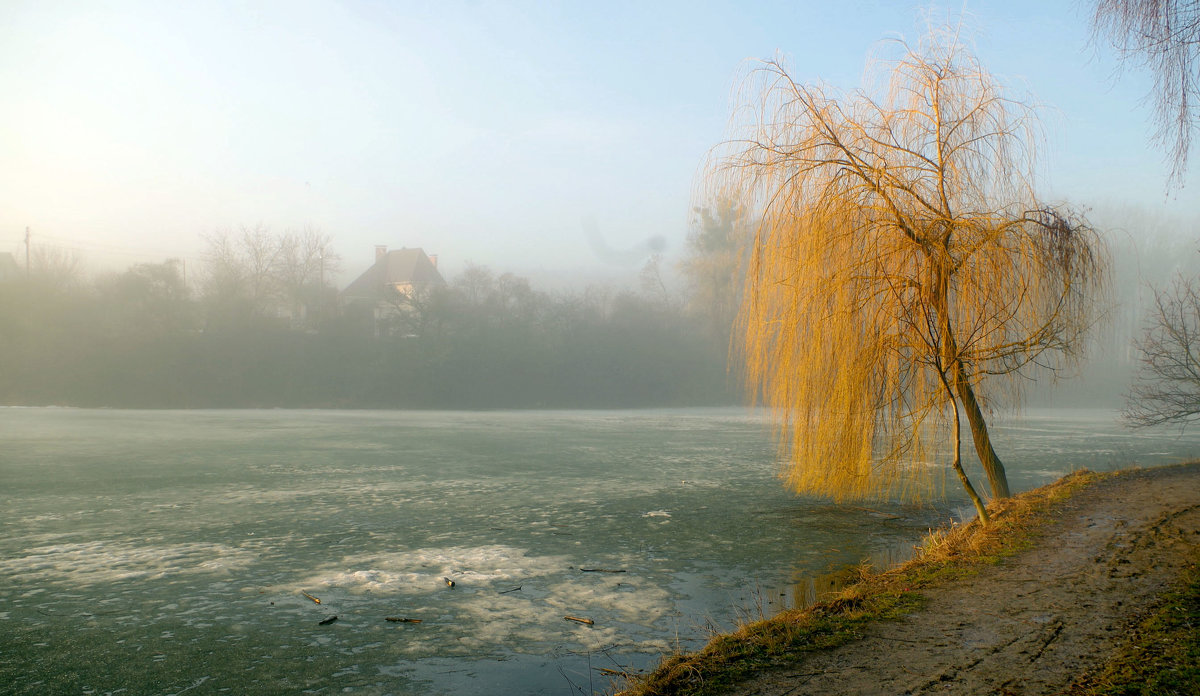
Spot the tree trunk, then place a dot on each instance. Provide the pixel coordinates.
(997, 479)
(980, 508)
(992, 466)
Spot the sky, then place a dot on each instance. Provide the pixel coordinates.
(540, 138)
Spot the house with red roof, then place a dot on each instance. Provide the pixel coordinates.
(393, 288)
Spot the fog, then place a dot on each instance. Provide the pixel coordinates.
(369, 335)
(548, 157)
(1147, 249)
(534, 139)
(265, 322)
(262, 324)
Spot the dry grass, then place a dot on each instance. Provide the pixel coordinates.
(945, 554)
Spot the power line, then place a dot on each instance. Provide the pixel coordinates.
(93, 248)
(92, 245)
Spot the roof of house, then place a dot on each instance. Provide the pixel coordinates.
(399, 267)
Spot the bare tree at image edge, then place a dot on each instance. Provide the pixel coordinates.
(1162, 36)
(903, 274)
(1167, 389)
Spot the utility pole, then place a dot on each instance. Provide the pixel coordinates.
(27, 252)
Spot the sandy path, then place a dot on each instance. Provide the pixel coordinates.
(1039, 620)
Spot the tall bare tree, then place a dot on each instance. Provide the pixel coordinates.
(1167, 389)
(256, 273)
(240, 266)
(1164, 37)
(56, 267)
(902, 268)
(305, 264)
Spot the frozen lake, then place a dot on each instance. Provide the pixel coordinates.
(163, 552)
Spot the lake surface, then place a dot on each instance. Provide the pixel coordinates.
(167, 552)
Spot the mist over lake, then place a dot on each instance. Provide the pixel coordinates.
(157, 551)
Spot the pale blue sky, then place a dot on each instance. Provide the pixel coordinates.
(481, 131)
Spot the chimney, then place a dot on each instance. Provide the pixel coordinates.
(380, 251)
(433, 260)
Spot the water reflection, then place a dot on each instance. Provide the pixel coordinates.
(807, 589)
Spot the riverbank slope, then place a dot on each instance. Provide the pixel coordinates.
(1049, 594)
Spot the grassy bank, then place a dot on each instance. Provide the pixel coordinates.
(947, 554)
(1162, 656)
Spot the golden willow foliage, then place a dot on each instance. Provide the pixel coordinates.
(901, 266)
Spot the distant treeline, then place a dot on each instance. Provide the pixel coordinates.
(144, 339)
(263, 327)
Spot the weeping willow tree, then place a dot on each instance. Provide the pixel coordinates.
(1162, 36)
(904, 273)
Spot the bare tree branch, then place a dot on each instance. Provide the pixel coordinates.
(1167, 390)
(1162, 36)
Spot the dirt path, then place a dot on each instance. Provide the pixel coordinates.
(1039, 620)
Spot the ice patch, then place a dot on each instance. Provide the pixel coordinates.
(369, 581)
(484, 611)
(656, 513)
(98, 561)
(423, 570)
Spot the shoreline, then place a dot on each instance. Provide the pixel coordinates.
(1036, 602)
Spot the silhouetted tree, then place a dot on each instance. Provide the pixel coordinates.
(56, 269)
(255, 277)
(305, 265)
(149, 297)
(1167, 389)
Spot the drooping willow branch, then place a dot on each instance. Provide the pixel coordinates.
(902, 267)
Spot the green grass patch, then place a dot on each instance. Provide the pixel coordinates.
(1163, 656)
(945, 555)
